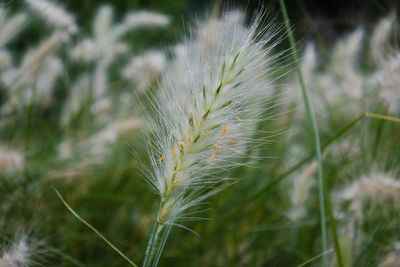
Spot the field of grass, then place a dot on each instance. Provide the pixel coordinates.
(304, 154)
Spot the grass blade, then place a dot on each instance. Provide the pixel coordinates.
(94, 229)
(382, 117)
(321, 182)
(325, 145)
(314, 258)
(64, 255)
(161, 248)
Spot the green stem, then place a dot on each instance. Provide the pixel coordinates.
(94, 229)
(323, 190)
(151, 246)
(382, 117)
(157, 241)
(377, 137)
(160, 249)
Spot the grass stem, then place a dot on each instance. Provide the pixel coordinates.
(323, 190)
(94, 229)
(157, 241)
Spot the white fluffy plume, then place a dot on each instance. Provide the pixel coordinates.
(10, 25)
(206, 111)
(18, 255)
(54, 15)
(373, 193)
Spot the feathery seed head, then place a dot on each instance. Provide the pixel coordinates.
(206, 112)
(9, 27)
(52, 68)
(79, 93)
(98, 143)
(309, 61)
(18, 255)
(380, 36)
(143, 69)
(54, 15)
(5, 59)
(38, 71)
(346, 51)
(392, 259)
(106, 43)
(387, 80)
(84, 51)
(103, 22)
(10, 160)
(145, 18)
(339, 81)
(300, 191)
(377, 191)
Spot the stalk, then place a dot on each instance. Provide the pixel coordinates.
(152, 244)
(157, 241)
(323, 189)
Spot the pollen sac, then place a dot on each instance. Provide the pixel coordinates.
(177, 181)
(224, 130)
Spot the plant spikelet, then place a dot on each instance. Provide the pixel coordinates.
(208, 104)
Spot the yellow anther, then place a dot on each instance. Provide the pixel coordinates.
(190, 140)
(224, 130)
(176, 170)
(216, 147)
(173, 151)
(161, 159)
(214, 152)
(177, 181)
(180, 147)
(212, 155)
